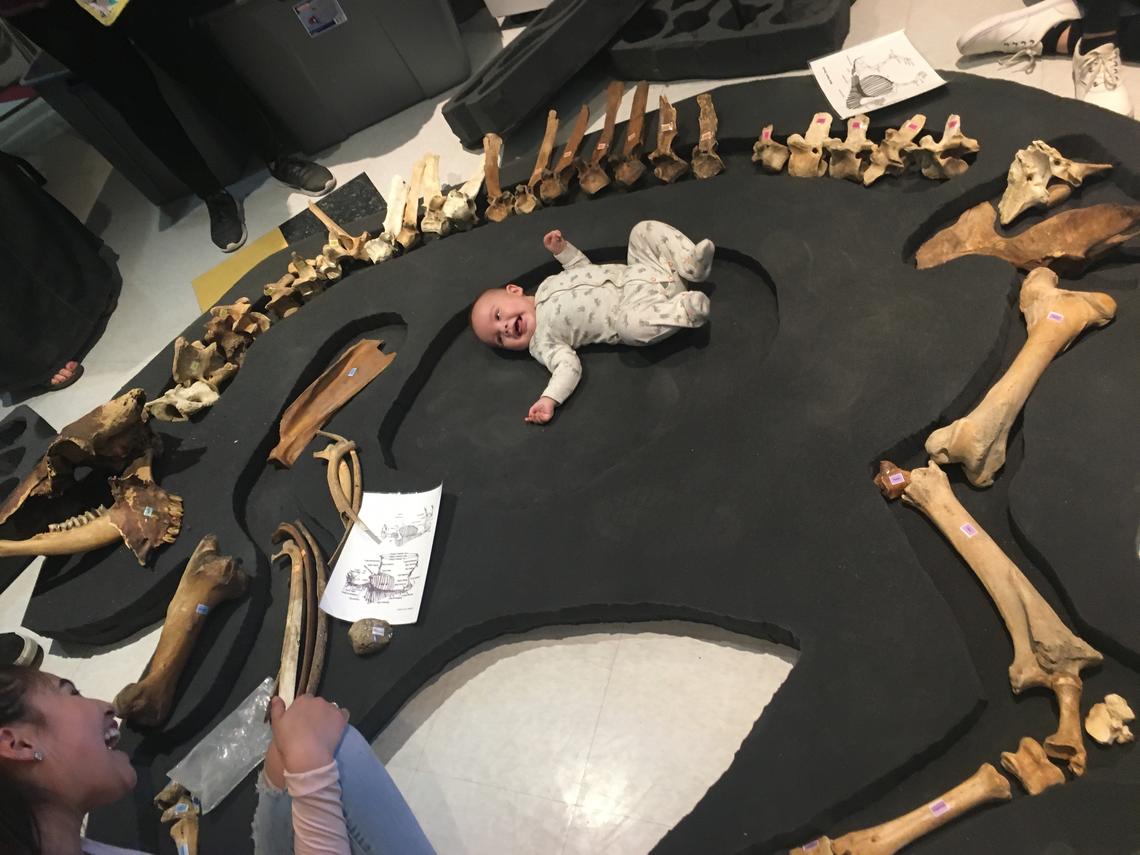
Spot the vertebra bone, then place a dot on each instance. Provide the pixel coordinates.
(556, 181)
(628, 167)
(409, 234)
(383, 246)
(592, 177)
(1045, 653)
(706, 162)
(434, 221)
(806, 160)
(459, 206)
(209, 579)
(848, 158)
(1106, 722)
(500, 205)
(1031, 767)
(943, 159)
(887, 156)
(1027, 182)
(1054, 317)
(666, 165)
(525, 199)
(768, 153)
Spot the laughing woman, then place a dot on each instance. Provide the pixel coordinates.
(322, 789)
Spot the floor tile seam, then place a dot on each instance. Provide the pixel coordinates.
(597, 723)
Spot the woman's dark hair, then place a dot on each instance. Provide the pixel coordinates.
(19, 833)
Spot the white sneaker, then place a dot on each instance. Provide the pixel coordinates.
(1019, 32)
(1096, 79)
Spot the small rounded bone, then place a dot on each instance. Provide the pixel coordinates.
(771, 155)
(369, 635)
(1031, 767)
(1106, 722)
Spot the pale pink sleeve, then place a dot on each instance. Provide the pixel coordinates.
(318, 819)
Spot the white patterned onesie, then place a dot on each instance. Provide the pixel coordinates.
(638, 303)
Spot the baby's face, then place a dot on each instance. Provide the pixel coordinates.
(504, 318)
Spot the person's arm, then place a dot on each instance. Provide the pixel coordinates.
(318, 819)
(565, 372)
(563, 251)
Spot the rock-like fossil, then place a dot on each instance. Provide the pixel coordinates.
(628, 166)
(1107, 721)
(369, 635)
(1054, 318)
(806, 160)
(706, 162)
(771, 155)
(1041, 177)
(985, 785)
(210, 578)
(849, 158)
(1045, 653)
(1067, 242)
(666, 165)
(555, 181)
(592, 176)
(1032, 767)
(944, 158)
(892, 154)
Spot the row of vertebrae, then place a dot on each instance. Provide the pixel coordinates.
(78, 520)
(815, 153)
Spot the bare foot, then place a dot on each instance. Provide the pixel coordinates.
(64, 374)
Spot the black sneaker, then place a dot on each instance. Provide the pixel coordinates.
(17, 650)
(303, 175)
(227, 223)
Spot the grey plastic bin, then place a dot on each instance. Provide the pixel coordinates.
(388, 55)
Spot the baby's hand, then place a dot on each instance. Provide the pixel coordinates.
(541, 411)
(554, 242)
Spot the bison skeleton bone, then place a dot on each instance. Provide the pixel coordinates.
(943, 159)
(985, 785)
(1107, 721)
(434, 220)
(806, 159)
(209, 579)
(500, 205)
(1045, 653)
(771, 155)
(1030, 173)
(1054, 318)
(526, 201)
(556, 180)
(592, 174)
(1032, 767)
(628, 166)
(848, 158)
(888, 156)
(667, 166)
(706, 162)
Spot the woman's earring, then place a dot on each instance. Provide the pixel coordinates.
(38, 756)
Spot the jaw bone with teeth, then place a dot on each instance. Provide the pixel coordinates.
(114, 438)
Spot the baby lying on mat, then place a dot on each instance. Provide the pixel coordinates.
(638, 303)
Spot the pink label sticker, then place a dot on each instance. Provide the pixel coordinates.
(808, 847)
(939, 807)
(953, 123)
(896, 478)
(912, 126)
(1055, 316)
(766, 134)
(856, 125)
(968, 530)
(821, 120)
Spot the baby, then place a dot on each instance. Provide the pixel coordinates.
(638, 303)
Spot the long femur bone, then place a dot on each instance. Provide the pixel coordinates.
(1054, 318)
(1045, 652)
(985, 785)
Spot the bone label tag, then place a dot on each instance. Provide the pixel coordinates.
(896, 479)
(202, 609)
(968, 530)
(352, 372)
(148, 511)
(939, 807)
(810, 847)
(1056, 317)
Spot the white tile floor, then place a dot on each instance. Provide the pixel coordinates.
(589, 754)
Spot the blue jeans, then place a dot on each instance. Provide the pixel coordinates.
(378, 820)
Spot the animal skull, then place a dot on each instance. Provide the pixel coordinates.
(1028, 180)
(806, 160)
(1031, 767)
(1045, 653)
(771, 155)
(1054, 318)
(1106, 722)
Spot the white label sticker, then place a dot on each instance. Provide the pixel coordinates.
(352, 372)
(968, 530)
(202, 609)
(148, 511)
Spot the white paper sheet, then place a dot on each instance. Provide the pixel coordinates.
(873, 74)
(381, 571)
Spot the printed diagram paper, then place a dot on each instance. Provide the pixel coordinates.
(873, 74)
(381, 571)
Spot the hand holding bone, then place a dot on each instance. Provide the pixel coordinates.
(541, 411)
(307, 733)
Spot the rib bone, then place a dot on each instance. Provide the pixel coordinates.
(1045, 652)
(1106, 722)
(666, 165)
(806, 159)
(593, 175)
(209, 579)
(771, 155)
(706, 162)
(849, 157)
(500, 205)
(555, 182)
(628, 167)
(1031, 767)
(887, 156)
(1054, 317)
(985, 785)
(1068, 241)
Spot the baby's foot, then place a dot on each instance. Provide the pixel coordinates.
(699, 263)
(696, 306)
